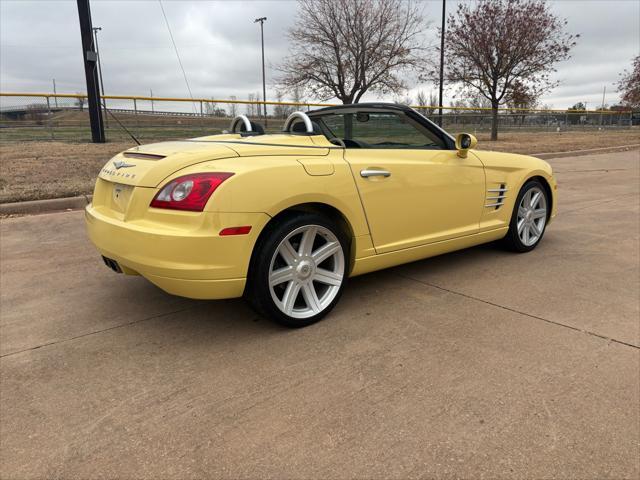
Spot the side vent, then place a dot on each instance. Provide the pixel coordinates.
(496, 196)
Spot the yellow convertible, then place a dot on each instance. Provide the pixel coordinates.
(284, 219)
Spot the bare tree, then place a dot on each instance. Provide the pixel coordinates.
(427, 102)
(282, 111)
(233, 107)
(344, 48)
(213, 109)
(629, 85)
(251, 107)
(422, 101)
(494, 43)
(403, 100)
(260, 108)
(297, 97)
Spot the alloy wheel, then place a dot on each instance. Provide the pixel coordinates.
(306, 271)
(532, 216)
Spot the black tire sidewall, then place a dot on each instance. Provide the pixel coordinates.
(258, 292)
(513, 239)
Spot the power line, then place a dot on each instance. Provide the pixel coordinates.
(184, 74)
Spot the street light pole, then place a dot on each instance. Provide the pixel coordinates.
(104, 102)
(440, 99)
(264, 85)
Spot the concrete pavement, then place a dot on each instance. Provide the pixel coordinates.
(477, 364)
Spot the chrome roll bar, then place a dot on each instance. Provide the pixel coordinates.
(289, 122)
(237, 120)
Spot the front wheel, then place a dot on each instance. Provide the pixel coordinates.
(298, 270)
(529, 218)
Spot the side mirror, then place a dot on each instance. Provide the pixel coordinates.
(464, 143)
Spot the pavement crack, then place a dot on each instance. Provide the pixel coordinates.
(133, 322)
(513, 310)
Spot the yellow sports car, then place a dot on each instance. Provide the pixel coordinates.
(284, 219)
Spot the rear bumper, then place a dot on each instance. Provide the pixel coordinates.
(186, 258)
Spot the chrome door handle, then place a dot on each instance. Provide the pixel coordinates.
(367, 172)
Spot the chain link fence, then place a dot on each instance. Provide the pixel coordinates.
(64, 117)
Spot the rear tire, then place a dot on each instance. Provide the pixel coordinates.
(529, 218)
(298, 270)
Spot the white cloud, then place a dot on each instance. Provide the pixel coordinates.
(220, 46)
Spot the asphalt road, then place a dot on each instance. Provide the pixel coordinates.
(477, 364)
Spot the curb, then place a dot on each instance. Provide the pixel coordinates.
(33, 207)
(578, 153)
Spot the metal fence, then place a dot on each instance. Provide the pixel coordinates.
(64, 117)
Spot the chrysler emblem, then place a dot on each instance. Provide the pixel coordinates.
(121, 164)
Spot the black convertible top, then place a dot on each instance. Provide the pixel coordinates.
(377, 105)
(391, 107)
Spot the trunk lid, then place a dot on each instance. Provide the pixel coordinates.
(148, 165)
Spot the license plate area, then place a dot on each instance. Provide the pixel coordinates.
(120, 197)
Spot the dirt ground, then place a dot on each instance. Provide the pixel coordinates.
(38, 170)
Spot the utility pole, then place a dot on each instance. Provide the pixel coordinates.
(90, 59)
(440, 97)
(604, 92)
(151, 95)
(264, 85)
(104, 101)
(55, 92)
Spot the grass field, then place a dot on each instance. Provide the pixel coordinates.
(51, 169)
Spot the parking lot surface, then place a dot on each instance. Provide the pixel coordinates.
(476, 364)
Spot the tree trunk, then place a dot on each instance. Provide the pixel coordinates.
(346, 99)
(494, 121)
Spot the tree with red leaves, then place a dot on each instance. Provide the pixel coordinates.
(499, 46)
(629, 85)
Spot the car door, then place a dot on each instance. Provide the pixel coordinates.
(414, 192)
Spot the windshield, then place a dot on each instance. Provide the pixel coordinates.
(377, 130)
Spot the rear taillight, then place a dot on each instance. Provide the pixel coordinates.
(190, 192)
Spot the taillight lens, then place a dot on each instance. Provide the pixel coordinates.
(190, 192)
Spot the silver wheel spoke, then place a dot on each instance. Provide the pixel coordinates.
(290, 296)
(522, 212)
(306, 244)
(311, 297)
(534, 229)
(526, 201)
(327, 277)
(287, 252)
(534, 199)
(325, 251)
(281, 275)
(540, 213)
(521, 224)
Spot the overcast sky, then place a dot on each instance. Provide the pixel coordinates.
(220, 46)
